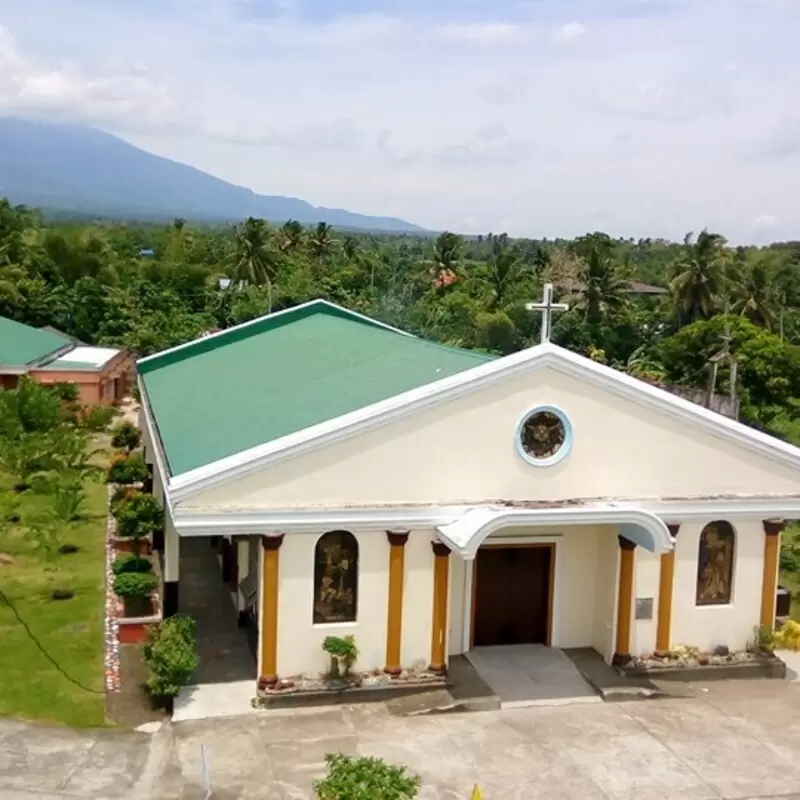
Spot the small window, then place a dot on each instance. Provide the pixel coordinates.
(544, 436)
(335, 578)
(715, 558)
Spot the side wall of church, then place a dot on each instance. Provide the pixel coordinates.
(300, 640)
(733, 625)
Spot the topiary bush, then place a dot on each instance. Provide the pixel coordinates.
(128, 470)
(129, 562)
(135, 589)
(126, 436)
(138, 515)
(119, 496)
(365, 779)
(171, 656)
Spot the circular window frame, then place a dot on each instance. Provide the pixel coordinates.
(562, 451)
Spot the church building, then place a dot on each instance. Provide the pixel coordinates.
(429, 500)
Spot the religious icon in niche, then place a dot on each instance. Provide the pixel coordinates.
(715, 564)
(542, 434)
(335, 577)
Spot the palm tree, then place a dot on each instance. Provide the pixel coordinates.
(505, 265)
(292, 234)
(753, 294)
(699, 279)
(604, 284)
(253, 261)
(322, 241)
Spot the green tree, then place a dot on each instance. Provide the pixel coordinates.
(699, 278)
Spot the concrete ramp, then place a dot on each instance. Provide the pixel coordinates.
(531, 675)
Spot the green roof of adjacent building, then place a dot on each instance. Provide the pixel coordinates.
(280, 374)
(22, 345)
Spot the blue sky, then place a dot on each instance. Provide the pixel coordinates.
(541, 118)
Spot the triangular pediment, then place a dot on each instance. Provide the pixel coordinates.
(454, 441)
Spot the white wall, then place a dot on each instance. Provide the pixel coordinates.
(605, 595)
(621, 449)
(300, 640)
(646, 578)
(732, 625)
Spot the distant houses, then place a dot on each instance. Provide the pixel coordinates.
(102, 374)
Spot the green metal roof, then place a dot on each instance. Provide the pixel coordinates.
(280, 374)
(21, 345)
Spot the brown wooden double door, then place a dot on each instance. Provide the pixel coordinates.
(512, 588)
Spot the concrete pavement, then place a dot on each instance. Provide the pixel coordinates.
(734, 740)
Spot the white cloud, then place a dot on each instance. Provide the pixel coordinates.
(765, 222)
(569, 32)
(441, 119)
(484, 33)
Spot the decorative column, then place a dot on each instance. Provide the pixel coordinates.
(622, 651)
(441, 565)
(394, 623)
(769, 582)
(666, 581)
(172, 556)
(268, 622)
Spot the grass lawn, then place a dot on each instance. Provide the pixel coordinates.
(791, 580)
(69, 631)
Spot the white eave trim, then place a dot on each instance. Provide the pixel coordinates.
(155, 440)
(544, 355)
(311, 521)
(707, 510)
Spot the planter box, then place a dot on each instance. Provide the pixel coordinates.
(134, 631)
(124, 545)
(295, 698)
(766, 667)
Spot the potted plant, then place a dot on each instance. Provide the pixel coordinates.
(366, 778)
(128, 470)
(130, 562)
(135, 589)
(137, 517)
(343, 653)
(126, 436)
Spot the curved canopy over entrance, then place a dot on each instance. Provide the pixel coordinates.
(468, 533)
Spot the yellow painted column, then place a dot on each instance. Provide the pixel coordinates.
(441, 567)
(769, 582)
(268, 616)
(666, 581)
(622, 651)
(394, 622)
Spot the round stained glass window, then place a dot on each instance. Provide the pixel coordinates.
(544, 436)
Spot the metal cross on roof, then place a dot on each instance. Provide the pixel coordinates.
(547, 307)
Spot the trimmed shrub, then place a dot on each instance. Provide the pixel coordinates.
(66, 392)
(128, 562)
(171, 655)
(119, 496)
(128, 470)
(365, 779)
(97, 418)
(135, 584)
(138, 516)
(126, 436)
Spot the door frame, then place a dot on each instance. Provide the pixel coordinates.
(472, 574)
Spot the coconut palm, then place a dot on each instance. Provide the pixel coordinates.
(322, 241)
(505, 265)
(753, 295)
(699, 280)
(604, 284)
(254, 263)
(291, 236)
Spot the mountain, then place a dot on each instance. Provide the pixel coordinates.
(74, 168)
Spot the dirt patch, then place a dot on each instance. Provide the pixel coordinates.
(131, 705)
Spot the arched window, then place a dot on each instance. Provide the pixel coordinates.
(715, 564)
(335, 577)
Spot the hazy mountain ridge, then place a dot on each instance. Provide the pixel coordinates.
(81, 169)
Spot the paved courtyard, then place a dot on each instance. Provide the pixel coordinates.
(733, 740)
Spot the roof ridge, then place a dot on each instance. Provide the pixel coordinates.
(253, 327)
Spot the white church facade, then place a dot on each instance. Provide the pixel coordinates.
(429, 500)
